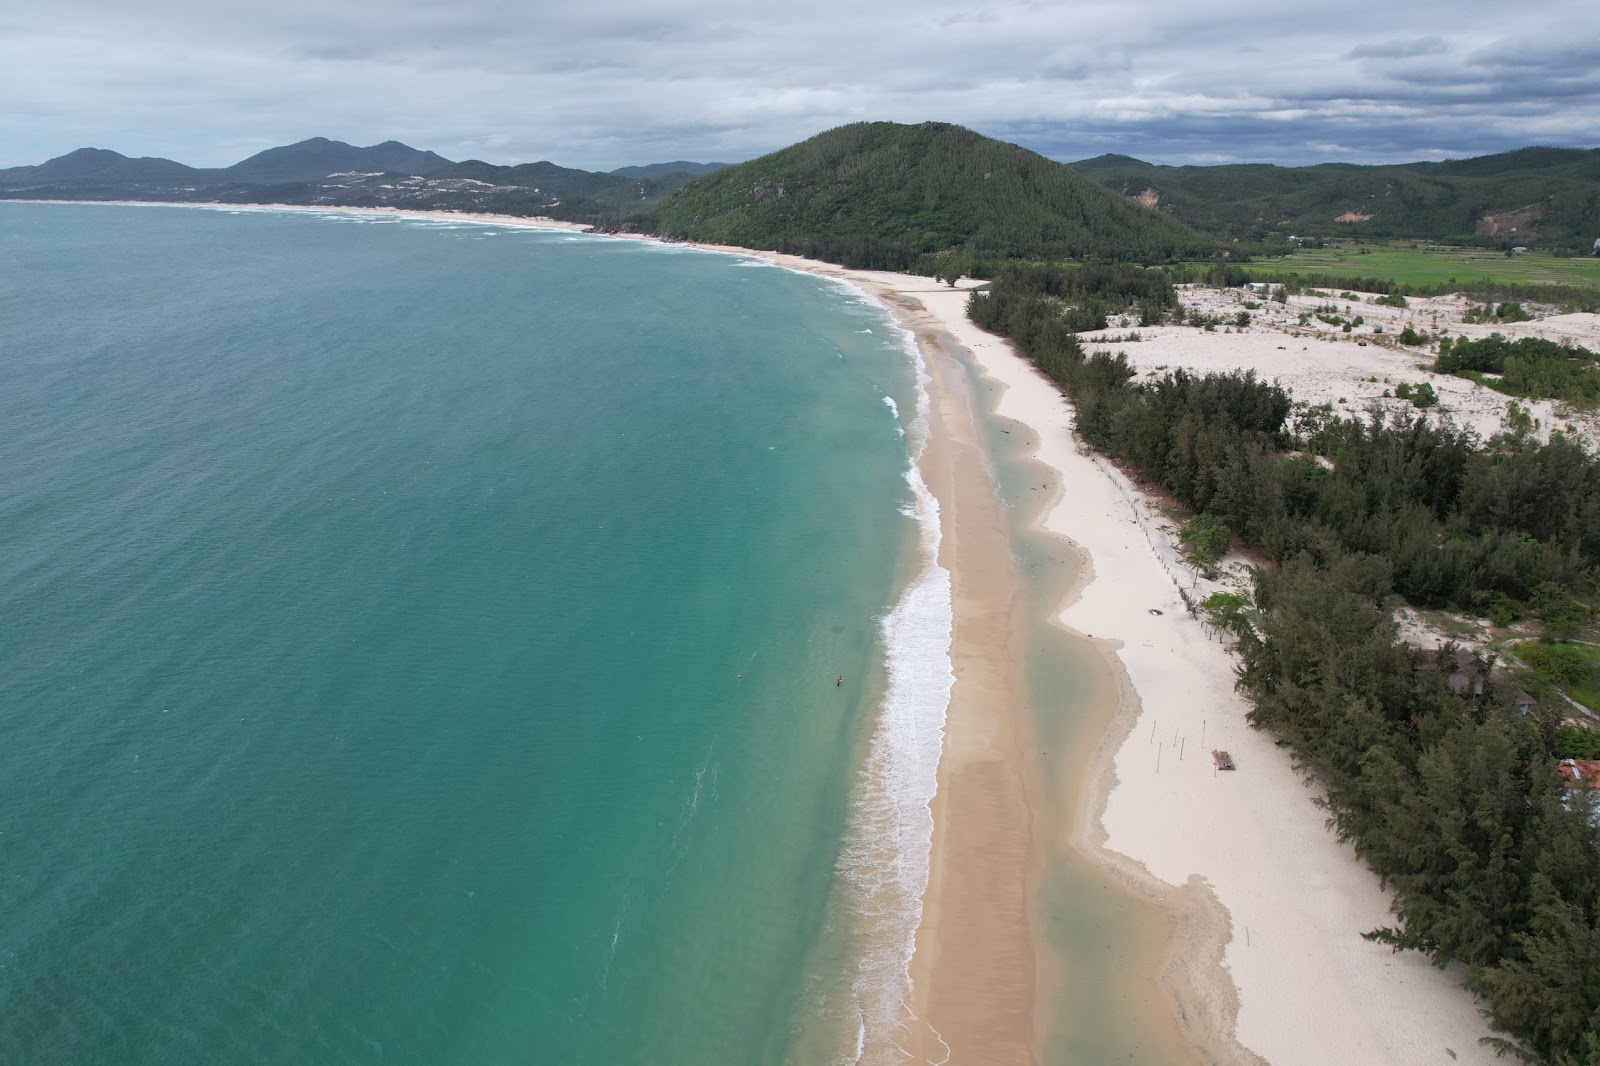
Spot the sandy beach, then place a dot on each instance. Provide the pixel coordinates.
(1265, 907)
(1309, 989)
(1258, 907)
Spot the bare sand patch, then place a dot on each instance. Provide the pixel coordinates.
(1319, 363)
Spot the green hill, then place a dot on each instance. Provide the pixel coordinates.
(543, 175)
(320, 157)
(881, 194)
(99, 165)
(1546, 198)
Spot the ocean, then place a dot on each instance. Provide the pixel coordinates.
(421, 644)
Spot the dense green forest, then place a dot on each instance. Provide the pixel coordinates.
(929, 197)
(1530, 367)
(1543, 197)
(1443, 786)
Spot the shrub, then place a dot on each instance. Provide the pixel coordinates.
(1497, 607)
(1577, 742)
(1562, 615)
(1559, 664)
(1421, 396)
(1225, 610)
(1205, 540)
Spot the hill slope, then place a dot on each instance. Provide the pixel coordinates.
(881, 194)
(661, 170)
(97, 165)
(318, 157)
(1541, 197)
(543, 175)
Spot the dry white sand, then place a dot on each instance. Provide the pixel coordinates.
(1311, 990)
(1318, 363)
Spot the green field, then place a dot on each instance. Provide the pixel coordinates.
(1571, 668)
(1412, 263)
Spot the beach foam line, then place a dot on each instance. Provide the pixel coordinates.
(891, 841)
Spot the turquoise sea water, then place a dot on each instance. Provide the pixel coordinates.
(377, 593)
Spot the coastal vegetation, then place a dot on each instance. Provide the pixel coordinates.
(1529, 367)
(1431, 769)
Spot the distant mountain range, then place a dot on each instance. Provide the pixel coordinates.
(926, 196)
(323, 171)
(1544, 197)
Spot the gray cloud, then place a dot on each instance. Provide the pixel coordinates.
(628, 81)
(1419, 46)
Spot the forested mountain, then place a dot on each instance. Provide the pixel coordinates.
(99, 165)
(1539, 197)
(661, 170)
(542, 175)
(318, 157)
(887, 195)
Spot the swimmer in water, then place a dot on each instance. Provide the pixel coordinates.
(840, 681)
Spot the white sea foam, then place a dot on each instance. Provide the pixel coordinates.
(894, 409)
(887, 855)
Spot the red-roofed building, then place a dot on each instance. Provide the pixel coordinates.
(1580, 773)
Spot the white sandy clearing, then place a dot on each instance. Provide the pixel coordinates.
(1320, 364)
(1311, 989)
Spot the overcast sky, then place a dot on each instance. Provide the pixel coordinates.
(606, 83)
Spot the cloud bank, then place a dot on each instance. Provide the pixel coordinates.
(622, 81)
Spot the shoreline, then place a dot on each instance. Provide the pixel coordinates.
(1267, 906)
(1262, 959)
